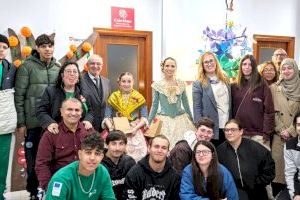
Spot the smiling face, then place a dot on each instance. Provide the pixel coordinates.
(204, 133)
(233, 133)
(169, 68)
(126, 83)
(247, 68)
(203, 155)
(95, 64)
(158, 150)
(46, 52)
(287, 72)
(278, 56)
(269, 72)
(71, 112)
(116, 148)
(89, 160)
(70, 75)
(209, 64)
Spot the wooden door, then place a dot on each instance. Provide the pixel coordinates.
(127, 50)
(265, 45)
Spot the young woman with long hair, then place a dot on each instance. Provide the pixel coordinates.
(212, 95)
(205, 177)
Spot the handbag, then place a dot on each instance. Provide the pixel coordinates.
(154, 128)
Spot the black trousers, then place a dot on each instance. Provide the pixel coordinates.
(32, 141)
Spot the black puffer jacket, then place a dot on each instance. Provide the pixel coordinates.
(118, 172)
(48, 109)
(142, 183)
(251, 166)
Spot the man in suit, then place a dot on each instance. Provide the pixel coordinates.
(98, 87)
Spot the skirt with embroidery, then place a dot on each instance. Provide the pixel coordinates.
(174, 128)
(136, 145)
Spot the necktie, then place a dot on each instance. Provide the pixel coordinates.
(97, 82)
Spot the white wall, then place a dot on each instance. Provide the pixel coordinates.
(184, 22)
(78, 18)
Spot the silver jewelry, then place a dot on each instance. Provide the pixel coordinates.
(82, 189)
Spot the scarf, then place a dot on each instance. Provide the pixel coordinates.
(125, 108)
(291, 88)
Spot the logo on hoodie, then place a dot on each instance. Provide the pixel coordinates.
(153, 193)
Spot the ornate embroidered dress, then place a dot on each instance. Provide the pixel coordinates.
(176, 120)
(133, 106)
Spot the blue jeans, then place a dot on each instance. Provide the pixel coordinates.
(32, 141)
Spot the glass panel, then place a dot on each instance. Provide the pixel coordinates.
(121, 58)
(265, 54)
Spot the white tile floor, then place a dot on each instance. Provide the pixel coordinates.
(18, 195)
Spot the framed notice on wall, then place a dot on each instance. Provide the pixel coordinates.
(122, 18)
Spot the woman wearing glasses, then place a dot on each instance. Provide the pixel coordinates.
(205, 178)
(250, 163)
(68, 85)
(212, 95)
(268, 72)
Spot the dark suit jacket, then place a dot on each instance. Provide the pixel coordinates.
(98, 103)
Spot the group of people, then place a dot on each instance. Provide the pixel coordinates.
(65, 114)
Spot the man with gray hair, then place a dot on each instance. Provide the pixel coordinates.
(58, 150)
(278, 56)
(98, 87)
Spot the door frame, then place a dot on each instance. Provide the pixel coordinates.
(273, 38)
(144, 72)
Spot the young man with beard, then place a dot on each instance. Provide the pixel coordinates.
(116, 161)
(153, 177)
(83, 179)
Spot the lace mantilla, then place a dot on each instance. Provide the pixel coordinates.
(171, 92)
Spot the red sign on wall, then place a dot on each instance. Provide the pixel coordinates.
(122, 18)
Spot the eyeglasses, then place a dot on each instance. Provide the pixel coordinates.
(233, 130)
(279, 54)
(207, 62)
(71, 72)
(268, 70)
(203, 152)
(204, 131)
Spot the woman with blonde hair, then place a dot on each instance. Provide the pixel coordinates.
(268, 72)
(174, 112)
(212, 95)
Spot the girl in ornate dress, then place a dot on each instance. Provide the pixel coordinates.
(127, 102)
(170, 94)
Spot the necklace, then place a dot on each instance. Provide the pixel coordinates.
(82, 189)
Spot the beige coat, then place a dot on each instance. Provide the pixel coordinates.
(285, 110)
